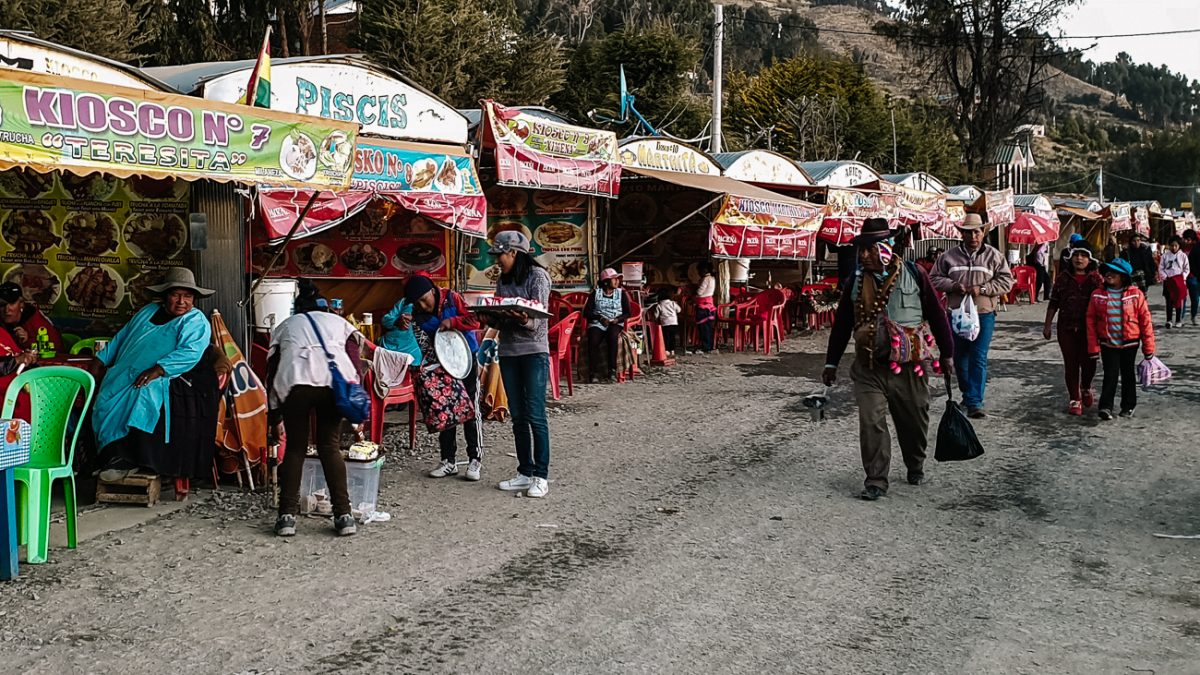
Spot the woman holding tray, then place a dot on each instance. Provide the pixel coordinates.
(524, 360)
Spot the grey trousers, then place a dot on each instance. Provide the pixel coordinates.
(878, 391)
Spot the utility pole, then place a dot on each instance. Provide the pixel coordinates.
(895, 161)
(1100, 183)
(718, 39)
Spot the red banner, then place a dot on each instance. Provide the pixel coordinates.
(1121, 218)
(757, 241)
(847, 209)
(1031, 229)
(1000, 206)
(537, 153)
(281, 206)
(916, 207)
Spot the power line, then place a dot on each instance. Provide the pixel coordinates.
(1072, 182)
(841, 31)
(1157, 185)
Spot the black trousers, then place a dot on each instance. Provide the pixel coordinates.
(472, 429)
(1041, 284)
(1119, 362)
(670, 337)
(611, 337)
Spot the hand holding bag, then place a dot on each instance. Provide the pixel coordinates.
(1153, 371)
(349, 397)
(964, 321)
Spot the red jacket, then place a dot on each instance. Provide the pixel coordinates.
(1136, 322)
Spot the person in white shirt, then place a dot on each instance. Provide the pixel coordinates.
(706, 308)
(668, 317)
(1174, 269)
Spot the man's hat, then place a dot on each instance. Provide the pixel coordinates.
(972, 221)
(874, 230)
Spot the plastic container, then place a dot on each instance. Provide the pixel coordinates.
(274, 301)
(362, 480)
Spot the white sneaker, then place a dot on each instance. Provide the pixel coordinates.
(1169, 325)
(474, 469)
(516, 484)
(539, 489)
(446, 468)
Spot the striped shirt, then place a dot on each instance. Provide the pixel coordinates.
(1116, 317)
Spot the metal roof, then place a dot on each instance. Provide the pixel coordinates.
(1083, 204)
(819, 171)
(925, 180)
(132, 71)
(728, 159)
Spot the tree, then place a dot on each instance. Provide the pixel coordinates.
(989, 54)
(1169, 158)
(180, 31)
(660, 66)
(105, 27)
(463, 50)
(811, 109)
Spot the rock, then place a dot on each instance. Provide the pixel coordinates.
(781, 517)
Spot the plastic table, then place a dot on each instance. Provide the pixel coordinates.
(14, 451)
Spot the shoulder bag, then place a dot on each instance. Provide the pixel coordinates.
(349, 397)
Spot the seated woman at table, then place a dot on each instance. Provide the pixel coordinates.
(12, 357)
(156, 409)
(26, 323)
(606, 311)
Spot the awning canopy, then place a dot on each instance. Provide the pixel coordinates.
(752, 222)
(1032, 229)
(1073, 212)
(436, 181)
(846, 209)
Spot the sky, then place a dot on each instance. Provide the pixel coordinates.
(1181, 53)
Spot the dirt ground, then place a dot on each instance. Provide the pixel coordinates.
(699, 522)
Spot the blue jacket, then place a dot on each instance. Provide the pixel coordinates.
(400, 340)
(454, 308)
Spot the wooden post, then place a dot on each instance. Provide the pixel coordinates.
(8, 526)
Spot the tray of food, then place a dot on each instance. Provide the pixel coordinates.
(530, 308)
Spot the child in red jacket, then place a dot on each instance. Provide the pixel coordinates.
(1118, 320)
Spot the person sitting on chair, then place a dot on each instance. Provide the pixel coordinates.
(606, 311)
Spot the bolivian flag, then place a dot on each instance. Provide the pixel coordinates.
(260, 78)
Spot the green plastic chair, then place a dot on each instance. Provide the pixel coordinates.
(52, 394)
(70, 340)
(88, 345)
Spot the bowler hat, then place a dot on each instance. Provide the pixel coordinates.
(874, 230)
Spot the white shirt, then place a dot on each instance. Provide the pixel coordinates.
(668, 312)
(1173, 264)
(301, 359)
(708, 286)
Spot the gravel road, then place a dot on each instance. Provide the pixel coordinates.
(699, 522)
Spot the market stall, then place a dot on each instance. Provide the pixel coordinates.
(1151, 220)
(413, 196)
(97, 187)
(546, 179)
(918, 180)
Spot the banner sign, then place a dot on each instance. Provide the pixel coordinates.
(537, 153)
(443, 187)
(280, 207)
(1141, 220)
(743, 211)
(662, 154)
(916, 207)
(382, 240)
(1000, 206)
(557, 226)
(1122, 219)
(49, 123)
(84, 249)
(754, 228)
(847, 209)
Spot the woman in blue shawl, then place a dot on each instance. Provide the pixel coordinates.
(153, 408)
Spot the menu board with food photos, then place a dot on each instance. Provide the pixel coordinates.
(384, 240)
(645, 208)
(84, 249)
(557, 226)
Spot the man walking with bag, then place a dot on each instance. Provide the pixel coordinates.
(978, 271)
(890, 308)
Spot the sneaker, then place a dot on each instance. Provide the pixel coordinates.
(976, 413)
(1075, 408)
(917, 478)
(539, 489)
(1194, 321)
(1169, 325)
(345, 525)
(1126, 414)
(1089, 398)
(516, 484)
(446, 468)
(872, 493)
(474, 469)
(1106, 415)
(285, 525)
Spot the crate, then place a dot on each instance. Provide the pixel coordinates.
(135, 488)
(362, 480)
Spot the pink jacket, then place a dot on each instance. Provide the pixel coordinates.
(1136, 323)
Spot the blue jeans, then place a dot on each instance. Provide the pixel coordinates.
(970, 361)
(1193, 286)
(525, 378)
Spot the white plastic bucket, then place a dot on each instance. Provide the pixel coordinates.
(739, 271)
(274, 300)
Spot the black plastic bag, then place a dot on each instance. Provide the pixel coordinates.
(956, 439)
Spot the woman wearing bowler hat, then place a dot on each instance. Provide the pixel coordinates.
(156, 409)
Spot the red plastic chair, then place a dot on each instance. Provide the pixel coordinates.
(560, 352)
(759, 319)
(576, 300)
(635, 320)
(405, 393)
(1025, 281)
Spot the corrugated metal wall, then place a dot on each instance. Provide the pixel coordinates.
(222, 265)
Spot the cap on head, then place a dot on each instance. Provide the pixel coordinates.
(509, 240)
(609, 273)
(1076, 238)
(1119, 266)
